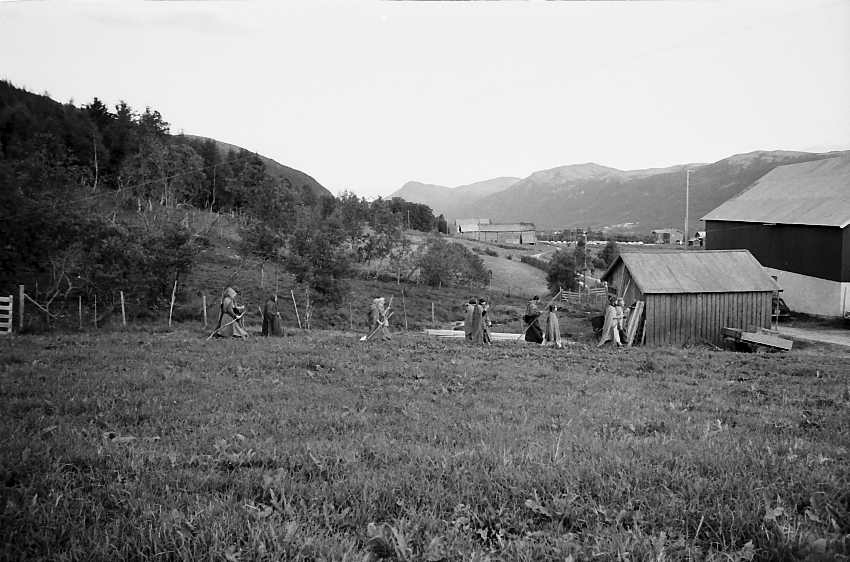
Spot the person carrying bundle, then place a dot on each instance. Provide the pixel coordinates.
(533, 331)
(613, 323)
(378, 319)
(230, 317)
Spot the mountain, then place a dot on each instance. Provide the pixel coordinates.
(275, 169)
(592, 195)
(450, 200)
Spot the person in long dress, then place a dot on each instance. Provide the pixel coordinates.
(271, 318)
(476, 328)
(485, 321)
(611, 327)
(230, 316)
(553, 328)
(378, 318)
(467, 319)
(533, 331)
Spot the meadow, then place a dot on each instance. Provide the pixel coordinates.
(159, 444)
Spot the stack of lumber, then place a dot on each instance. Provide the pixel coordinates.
(495, 336)
(759, 337)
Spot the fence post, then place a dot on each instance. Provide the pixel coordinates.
(404, 309)
(123, 314)
(20, 307)
(204, 297)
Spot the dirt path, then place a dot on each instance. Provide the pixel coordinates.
(826, 335)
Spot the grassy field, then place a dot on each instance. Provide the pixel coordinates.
(161, 445)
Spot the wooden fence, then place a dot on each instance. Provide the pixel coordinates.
(6, 311)
(595, 296)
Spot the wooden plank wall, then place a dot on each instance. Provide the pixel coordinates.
(688, 318)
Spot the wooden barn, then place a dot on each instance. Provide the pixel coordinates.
(507, 233)
(796, 222)
(690, 296)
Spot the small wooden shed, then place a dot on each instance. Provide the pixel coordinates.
(690, 296)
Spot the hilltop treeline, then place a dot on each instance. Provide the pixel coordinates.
(91, 200)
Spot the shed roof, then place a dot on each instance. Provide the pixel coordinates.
(708, 271)
(816, 193)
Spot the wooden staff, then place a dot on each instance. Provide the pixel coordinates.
(217, 330)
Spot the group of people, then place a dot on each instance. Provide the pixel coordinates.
(230, 317)
(476, 322)
(539, 329)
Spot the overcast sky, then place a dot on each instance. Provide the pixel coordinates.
(368, 95)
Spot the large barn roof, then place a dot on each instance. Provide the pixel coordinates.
(511, 227)
(707, 271)
(816, 193)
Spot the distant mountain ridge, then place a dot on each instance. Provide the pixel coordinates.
(444, 200)
(597, 196)
(275, 169)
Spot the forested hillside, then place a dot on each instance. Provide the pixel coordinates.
(96, 200)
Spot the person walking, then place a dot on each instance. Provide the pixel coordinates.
(533, 331)
(379, 319)
(230, 316)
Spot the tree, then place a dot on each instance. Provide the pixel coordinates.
(442, 225)
(451, 264)
(562, 271)
(318, 258)
(607, 256)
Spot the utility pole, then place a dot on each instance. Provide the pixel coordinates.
(687, 201)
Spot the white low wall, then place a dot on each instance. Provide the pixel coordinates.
(812, 295)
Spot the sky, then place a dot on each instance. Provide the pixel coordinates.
(365, 96)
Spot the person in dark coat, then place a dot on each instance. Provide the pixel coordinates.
(271, 318)
(533, 331)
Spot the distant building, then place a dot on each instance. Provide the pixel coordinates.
(690, 296)
(668, 236)
(794, 220)
(468, 225)
(698, 241)
(484, 230)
